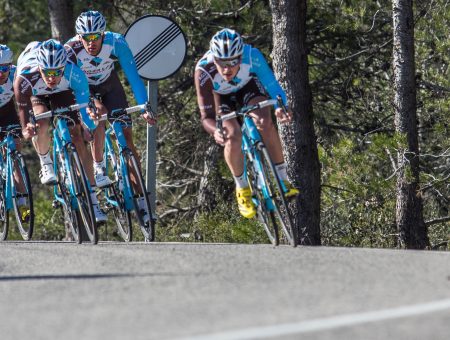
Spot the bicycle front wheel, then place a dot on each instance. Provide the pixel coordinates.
(83, 196)
(115, 193)
(281, 212)
(4, 218)
(22, 196)
(133, 169)
(265, 217)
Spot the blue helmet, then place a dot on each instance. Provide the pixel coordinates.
(51, 54)
(226, 44)
(6, 55)
(90, 22)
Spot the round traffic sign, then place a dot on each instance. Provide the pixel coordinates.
(158, 45)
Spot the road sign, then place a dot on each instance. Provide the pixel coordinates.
(158, 45)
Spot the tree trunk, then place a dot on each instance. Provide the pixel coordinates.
(409, 210)
(299, 139)
(61, 19)
(206, 198)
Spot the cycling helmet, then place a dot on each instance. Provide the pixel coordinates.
(90, 22)
(6, 55)
(51, 54)
(226, 44)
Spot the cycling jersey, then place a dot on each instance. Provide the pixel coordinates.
(6, 90)
(29, 83)
(98, 68)
(253, 65)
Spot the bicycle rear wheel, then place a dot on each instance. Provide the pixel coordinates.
(23, 199)
(132, 166)
(281, 213)
(4, 216)
(83, 196)
(264, 216)
(122, 216)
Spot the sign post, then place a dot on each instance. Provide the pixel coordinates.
(159, 48)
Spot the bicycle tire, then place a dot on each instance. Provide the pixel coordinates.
(83, 196)
(281, 211)
(147, 229)
(25, 227)
(4, 214)
(264, 216)
(70, 217)
(122, 216)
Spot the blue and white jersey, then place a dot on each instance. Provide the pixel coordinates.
(7, 90)
(30, 83)
(253, 64)
(98, 68)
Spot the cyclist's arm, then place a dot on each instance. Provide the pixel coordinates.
(266, 76)
(205, 100)
(126, 60)
(71, 55)
(22, 93)
(80, 87)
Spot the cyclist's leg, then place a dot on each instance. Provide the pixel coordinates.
(42, 141)
(266, 127)
(8, 116)
(234, 157)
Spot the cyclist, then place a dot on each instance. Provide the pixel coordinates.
(94, 50)
(232, 74)
(45, 80)
(8, 114)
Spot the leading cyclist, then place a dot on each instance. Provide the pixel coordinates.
(232, 73)
(94, 50)
(47, 80)
(8, 114)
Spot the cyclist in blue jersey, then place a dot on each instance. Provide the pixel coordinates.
(8, 114)
(47, 80)
(94, 50)
(233, 74)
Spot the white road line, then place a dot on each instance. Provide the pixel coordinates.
(324, 324)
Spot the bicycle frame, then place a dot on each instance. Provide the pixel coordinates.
(10, 147)
(116, 127)
(62, 138)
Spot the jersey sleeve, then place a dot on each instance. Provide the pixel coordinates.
(205, 99)
(80, 87)
(71, 55)
(22, 93)
(123, 53)
(266, 76)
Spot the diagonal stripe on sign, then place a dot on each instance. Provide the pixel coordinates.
(154, 41)
(156, 45)
(161, 47)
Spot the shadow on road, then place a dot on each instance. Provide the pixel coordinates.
(80, 276)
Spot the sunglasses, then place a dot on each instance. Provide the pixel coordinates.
(91, 36)
(228, 62)
(52, 72)
(5, 68)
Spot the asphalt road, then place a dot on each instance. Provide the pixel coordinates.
(216, 291)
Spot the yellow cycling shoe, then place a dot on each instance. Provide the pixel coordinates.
(291, 190)
(245, 203)
(24, 213)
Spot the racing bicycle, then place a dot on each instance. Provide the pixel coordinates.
(72, 191)
(268, 191)
(15, 186)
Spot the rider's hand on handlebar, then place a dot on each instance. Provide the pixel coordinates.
(220, 136)
(149, 117)
(29, 131)
(283, 117)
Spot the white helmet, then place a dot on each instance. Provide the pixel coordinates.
(6, 55)
(51, 54)
(226, 44)
(90, 22)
